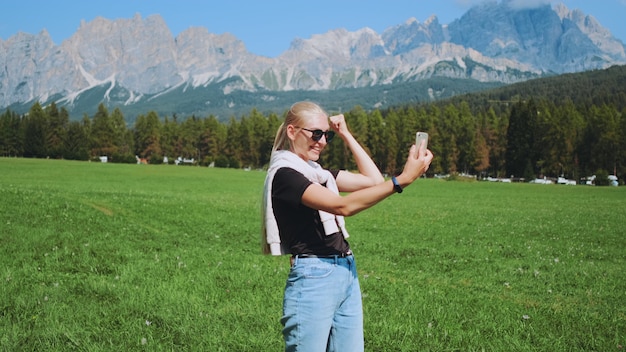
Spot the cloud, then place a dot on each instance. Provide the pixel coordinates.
(470, 3)
(527, 4)
(514, 4)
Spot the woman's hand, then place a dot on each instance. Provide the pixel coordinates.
(339, 125)
(416, 165)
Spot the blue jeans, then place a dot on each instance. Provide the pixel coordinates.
(322, 308)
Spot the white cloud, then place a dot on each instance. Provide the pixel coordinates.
(515, 4)
(470, 3)
(528, 4)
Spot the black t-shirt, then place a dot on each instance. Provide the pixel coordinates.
(300, 227)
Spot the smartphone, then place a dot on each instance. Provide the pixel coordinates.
(421, 136)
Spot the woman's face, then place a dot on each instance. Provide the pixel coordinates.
(301, 142)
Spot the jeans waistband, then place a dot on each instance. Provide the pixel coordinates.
(324, 256)
(336, 257)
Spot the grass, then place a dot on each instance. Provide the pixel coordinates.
(102, 257)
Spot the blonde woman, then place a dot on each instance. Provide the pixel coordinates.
(304, 218)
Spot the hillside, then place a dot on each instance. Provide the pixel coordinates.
(584, 89)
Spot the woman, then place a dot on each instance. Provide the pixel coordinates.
(303, 217)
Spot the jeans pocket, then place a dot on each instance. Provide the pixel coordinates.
(318, 270)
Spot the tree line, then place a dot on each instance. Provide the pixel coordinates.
(523, 139)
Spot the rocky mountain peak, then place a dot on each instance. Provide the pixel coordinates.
(131, 60)
(139, 53)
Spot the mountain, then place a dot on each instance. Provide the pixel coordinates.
(137, 65)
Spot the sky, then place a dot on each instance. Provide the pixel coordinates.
(266, 27)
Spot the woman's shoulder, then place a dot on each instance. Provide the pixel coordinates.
(288, 175)
(287, 171)
(289, 181)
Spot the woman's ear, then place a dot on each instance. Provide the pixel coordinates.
(291, 132)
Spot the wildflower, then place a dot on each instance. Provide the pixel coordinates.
(525, 317)
(148, 322)
(144, 341)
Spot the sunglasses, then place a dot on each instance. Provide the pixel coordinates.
(317, 135)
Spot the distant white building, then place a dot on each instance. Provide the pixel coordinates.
(564, 181)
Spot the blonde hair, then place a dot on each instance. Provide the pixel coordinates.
(297, 116)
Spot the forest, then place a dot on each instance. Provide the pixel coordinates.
(568, 126)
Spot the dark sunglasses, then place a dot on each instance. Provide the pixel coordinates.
(317, 135)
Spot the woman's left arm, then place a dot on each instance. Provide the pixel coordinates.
(368, 175)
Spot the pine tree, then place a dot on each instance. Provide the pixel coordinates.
(35, 133)
(11, 134)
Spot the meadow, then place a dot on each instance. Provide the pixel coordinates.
(114, 257)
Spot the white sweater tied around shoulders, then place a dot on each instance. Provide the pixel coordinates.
(316, 174)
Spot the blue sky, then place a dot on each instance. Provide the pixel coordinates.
(266, 27)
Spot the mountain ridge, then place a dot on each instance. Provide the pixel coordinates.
(137, 61)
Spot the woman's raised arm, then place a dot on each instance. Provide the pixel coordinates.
(369, 174)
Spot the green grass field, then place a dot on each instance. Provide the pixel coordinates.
(112, 257)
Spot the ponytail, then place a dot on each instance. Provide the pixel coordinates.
(281, 142)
